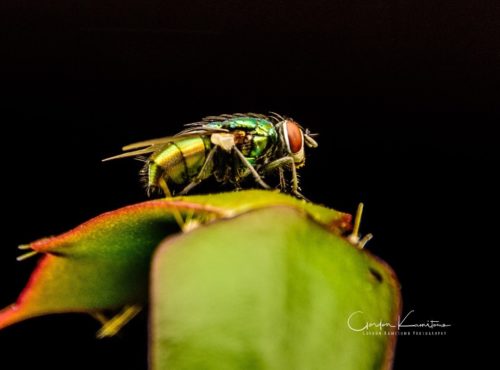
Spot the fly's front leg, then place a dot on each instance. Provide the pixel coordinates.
(282, 179)
(203, 174)
(251, 168)
(282, 184)
(286, 162)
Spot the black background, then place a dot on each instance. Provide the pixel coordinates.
(404, 95)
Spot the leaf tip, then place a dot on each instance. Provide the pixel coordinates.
(9, 316)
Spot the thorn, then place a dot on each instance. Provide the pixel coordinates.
(357, 220)
(354, 236)
(190, 225)
(191, 222)
(113, 326)
(364, 240)
(26, 256)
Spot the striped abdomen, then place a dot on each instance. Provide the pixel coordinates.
(178, 161)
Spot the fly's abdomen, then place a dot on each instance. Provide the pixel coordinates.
(178, 161)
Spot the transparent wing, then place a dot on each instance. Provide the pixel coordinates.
(133, 153)
(194, 129)
(151, 142)
(224, 117)
(150, 146)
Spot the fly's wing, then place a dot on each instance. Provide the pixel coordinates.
(225, 117)
(150, 146)
(134, 153)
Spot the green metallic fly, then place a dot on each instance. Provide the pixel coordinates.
(230, 147)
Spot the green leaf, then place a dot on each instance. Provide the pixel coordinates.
(104, 263)
(269, 289)
(243, 201)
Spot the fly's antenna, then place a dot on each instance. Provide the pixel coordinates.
(311, 134)
(311, 143)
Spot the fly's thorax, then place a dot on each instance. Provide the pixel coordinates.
(247, 124)
(250, 125)
(262, 140)
(259, 146)
(254, 137)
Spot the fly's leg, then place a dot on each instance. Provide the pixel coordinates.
(164, 187)
(112, 326)
(282, 179)
(168, 194)
(282, 185)
(203, 174)
(286, 162)
(251, 168)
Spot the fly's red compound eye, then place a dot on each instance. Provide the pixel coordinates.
(294, 136)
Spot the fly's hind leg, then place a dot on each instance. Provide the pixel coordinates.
(203, 174)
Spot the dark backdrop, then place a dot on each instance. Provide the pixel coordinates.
(403, 94)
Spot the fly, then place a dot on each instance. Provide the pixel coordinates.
(229, 147)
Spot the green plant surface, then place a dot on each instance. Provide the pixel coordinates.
(272, 288)
(105, 262)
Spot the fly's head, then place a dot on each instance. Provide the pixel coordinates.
(295, 138)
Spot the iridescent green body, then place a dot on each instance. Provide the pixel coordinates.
(178, 161)
(181, 160)
(229, 147)
(261, 134)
